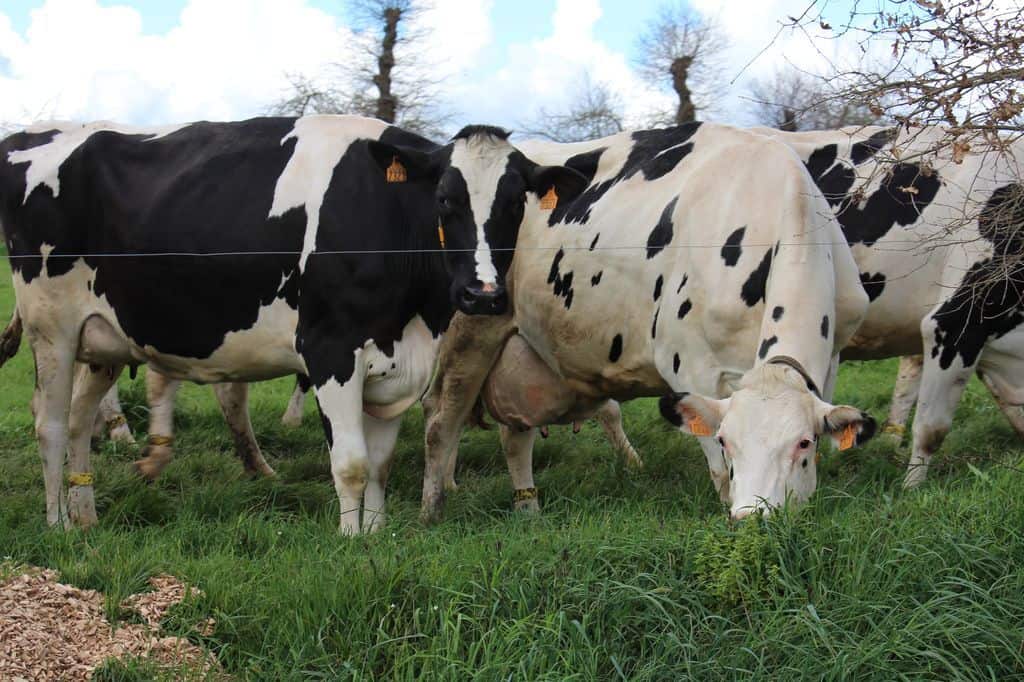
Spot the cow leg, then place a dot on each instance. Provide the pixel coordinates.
(292, 416)
(610, 419)
(939, 394)
(341, 409)
(160, 394)
(1010, 409)
(904, 395)
(55, 367)
(233, 399)
(111, 417)
(467, 353)
(380, 436)
(518, 447)
(717, 465)
(91, 384)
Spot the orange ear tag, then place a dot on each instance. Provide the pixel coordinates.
(846, 440)
(440, 234)
(396, 171)
(698, 427)
(549, 200)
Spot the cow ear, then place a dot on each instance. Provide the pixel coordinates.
(400, 164)
(567, 183)
(845, 425)
(693, 414)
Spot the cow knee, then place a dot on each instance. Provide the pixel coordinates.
(352, 472)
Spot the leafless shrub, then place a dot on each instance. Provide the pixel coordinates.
(594, 111)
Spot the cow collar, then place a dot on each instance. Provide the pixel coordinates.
(790, 362)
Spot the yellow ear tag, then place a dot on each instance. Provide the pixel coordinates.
(549, 200)
(440, 234)
(396, 171)
(698, 427)
(846, 440)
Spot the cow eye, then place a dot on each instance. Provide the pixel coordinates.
(804, 444)
(445, 202)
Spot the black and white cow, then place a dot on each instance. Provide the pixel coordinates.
(940, 247)
(623, 293)
(242, 251)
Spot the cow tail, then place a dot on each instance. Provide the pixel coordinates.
(10, 339)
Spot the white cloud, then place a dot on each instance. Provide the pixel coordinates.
(226, 59)
(543, 72)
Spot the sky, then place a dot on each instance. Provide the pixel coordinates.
(168, 61)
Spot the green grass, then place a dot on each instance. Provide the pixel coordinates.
(632, 575)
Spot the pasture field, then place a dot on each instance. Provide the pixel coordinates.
(631, 575)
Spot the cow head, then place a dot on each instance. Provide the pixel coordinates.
(768, 431)
(482, 183)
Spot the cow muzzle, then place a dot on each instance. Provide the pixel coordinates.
(483, 299)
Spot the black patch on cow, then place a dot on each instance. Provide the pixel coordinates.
(732, 251)
(326, 423)
(586, 163)
(873, 284)
(562, 283)
(862, 151)
(661, 235)
(824, 327)
(615, 352)
(654, 153)
(753, 290)
(675, 363)
(682, 282)
(777, 313)
(765, 345)
(596, 279)
(899, 200)
(667, 407)
(654, 325)
(684, 308)
(594, 243)
(486, 131)
(989, 302)
(657, 287)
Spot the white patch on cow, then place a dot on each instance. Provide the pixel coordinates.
(45, 250)
(321, 142)
(476, 158)
(401, 379)
(45, 160)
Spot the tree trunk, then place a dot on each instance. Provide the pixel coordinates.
(686, 112)
(387, 103)
(788, 120)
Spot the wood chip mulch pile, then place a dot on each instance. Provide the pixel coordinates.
(52, 631)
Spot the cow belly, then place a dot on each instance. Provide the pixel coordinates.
(394, 382)
(523, 392)
(264, 351)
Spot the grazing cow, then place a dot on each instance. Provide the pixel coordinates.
(618, 292)
(280, 246)
(939, 247)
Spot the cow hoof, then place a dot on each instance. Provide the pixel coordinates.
(292, 421)
(154, 459)
(450, 485)
(914, 478)
(430, 512)
(81, 506)
(122, 434)
(373, 521)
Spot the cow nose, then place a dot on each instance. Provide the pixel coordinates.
(486, 299)
(741, 514)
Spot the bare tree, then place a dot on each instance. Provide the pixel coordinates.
(594, 111)
(682, 51)
(388, 78)
(791, 99)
